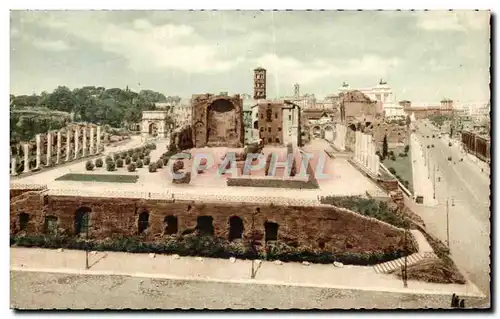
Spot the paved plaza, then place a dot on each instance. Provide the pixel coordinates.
(343, 180)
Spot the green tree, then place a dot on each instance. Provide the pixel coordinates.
(385, 147)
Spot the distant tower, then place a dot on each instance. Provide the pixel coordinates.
(447, 104)
(296, 89)
(259, 83)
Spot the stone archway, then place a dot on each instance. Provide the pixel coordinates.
(221, 122)
(153, 129)
(82, 220)
(316, 131)
(329, 133)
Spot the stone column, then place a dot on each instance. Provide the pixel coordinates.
(58, 159)
(358, 146)
(372, 156)
(365, 147)
(343, 136)
(84, 141)
(98, 140)
(26, 158)
(13, 168)
(91, 140)
(68, 144)
(356, 149)
(77, 136)
(49, 148)
(38, 150)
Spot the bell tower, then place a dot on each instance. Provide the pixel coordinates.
(259, 83)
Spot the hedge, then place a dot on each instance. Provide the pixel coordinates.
(366, 206)
(205, 246)
(98, 162)
(89, 166)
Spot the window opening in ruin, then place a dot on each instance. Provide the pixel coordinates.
(171, 225)
(269, 129)
(269, 115)
(275, 115)
(256, 125)
(189, 208)
(271, 230)
(321, 244)
(289, 117)
(204, 225)
(279, 129)
(261, 116)
(50, 225)
(143, 222)
(23, 221)
(277, 140)
(82, 220)
(262, 129)
(235, 228)
(269, 140)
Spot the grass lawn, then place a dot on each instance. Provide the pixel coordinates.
(99, 178)
(402, 165)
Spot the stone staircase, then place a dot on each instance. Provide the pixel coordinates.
(389, 266)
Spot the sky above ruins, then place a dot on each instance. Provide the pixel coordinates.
(424, 56)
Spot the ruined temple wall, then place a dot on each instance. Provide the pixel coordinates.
(337, 229)
(200, 104)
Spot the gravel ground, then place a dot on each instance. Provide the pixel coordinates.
(59, 291)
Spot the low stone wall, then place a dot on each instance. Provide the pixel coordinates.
(270, 181)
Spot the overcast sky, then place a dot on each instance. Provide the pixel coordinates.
(424, 56)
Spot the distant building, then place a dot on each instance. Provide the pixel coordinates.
(277, 122)
(383, 94)
(424, 110)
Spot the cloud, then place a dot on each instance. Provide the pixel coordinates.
(14, 33)
(149, 47)
(56, 46)
(453, 20)
(290, 70)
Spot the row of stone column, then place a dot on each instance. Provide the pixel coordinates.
(340, 136)
(365, 152)
(93, 149)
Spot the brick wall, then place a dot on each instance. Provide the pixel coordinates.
(338, 229)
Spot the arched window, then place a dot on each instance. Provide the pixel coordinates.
(171, 225)
(235, 228)
(271, 231)
(23, 221)
(277, 140)
(204, 225)
(82, 220)
(143, 222)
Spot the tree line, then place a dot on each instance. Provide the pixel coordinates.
(98, 105)
(114, 107)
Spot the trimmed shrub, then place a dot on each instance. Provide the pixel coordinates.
(131, 167)
(109, 159)
(159, 163)
(130, 152)
(98, 162)
(393, 158)
(165, 160)
(179, 164)
(128, 160)
(138, 150)
(110, 166)
(135, 157)
(89, 166)
(407, 148)
(392, 170)
(152, 167)
(116, 156)
(139, 164)
(141, 156)
(119, 162)
(147, 152)
(147, 160)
